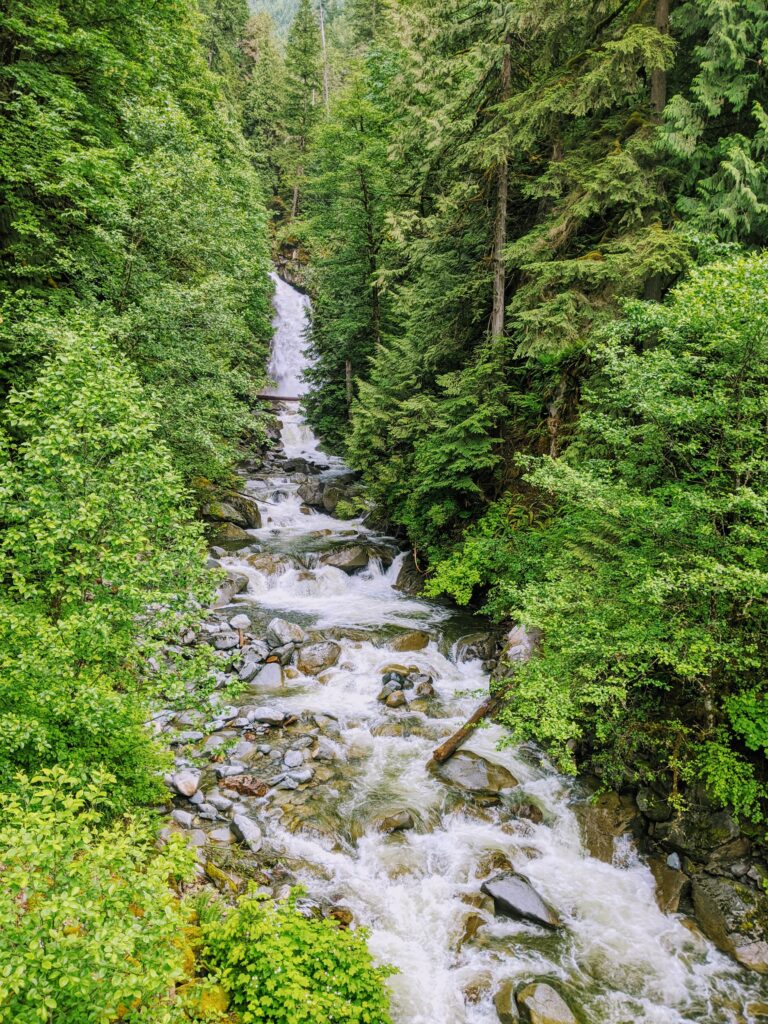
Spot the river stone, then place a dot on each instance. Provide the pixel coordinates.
(472, 772)
(602, 820)
(269, 675)
(268, 563)
(348, 559)
(475, 647)
(398, 822)
(280, 632)
(504, 1000)
(226, 641)
(240, 621)
(185, 782)
(540, 1003)
(386, 690)
(735, 917)
(221, 835)
(314, 658)
(293, 759)
(396, 699)
(248, 832)
(269, 716)
(227, 533)
(311, 491)
(415, 640)
(183, 818)
(332, 495)
(235, 583)
(409, 579)
(514, 896)
(671, 883)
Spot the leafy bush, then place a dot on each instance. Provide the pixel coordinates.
(89, 923)
(283, 968)
(97, 567)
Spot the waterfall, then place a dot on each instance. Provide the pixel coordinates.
(288, 359)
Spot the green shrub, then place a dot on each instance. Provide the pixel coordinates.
(98, 563)
(89, 923)
(283, 968)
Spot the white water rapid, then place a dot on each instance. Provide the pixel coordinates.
(620, 959)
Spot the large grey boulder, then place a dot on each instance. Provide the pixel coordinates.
(409, 579)
(471, 772)
(248, 832)
(311, 492)
(280, 632)
(185, 782)
(735, 917)
(231, 507)
(349, 559)
(514, 896)
(314, 658)
(235, 583)
(540, 1003)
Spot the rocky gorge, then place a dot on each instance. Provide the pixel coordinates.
(500, 890)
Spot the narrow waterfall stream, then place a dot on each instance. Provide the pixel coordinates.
(418, 889)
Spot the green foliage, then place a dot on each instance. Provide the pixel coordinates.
(280, 966)
(99, 561)
(89, 923)
(303, 94)
(651, 584)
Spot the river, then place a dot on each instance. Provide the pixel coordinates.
(618, 956)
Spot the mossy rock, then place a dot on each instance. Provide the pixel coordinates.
(203, 1000)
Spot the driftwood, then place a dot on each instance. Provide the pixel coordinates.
(520, 645)
(489, 707)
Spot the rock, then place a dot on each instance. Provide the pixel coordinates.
(302, 775)
(396, 699)
(472, 772)
(325, 751)
(735, 917)
(233, 507)
(284, 653)
(332, 495)
(268, 676)
(226, 641)
(314, 658)
(235, 583)
(699, 830)
(472, 925)
(653, 806)
(185, 782)
(341, 914)
(224, 881)
(475, 647)
(514, 896)
(247, 671)
(386, 690)
(349, 559)
(425, 689)
(267, 563)
(398, 822)
(240, 621)
(221, 835)
(504, 1003)
(293, 759)
(540, 1003)
(248, 832)
(183, 818)
(247, 785)
(269, 716)
(415, 640)
(221, 803)
(311, 492)
(228, 533)
(409, 579)
(670, 885)
(280, 631)
(602, 820)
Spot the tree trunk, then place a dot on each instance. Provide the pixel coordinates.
(500, 228)
(325, 55)
(295, 203)
(489, 706)
(659, 75)
(348, 379)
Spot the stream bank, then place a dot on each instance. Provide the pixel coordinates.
(475, 880)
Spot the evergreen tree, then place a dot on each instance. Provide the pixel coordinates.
(303, 94)
(263, 101)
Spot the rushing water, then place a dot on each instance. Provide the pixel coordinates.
(621, 958)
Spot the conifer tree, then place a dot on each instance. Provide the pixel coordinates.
(303, 93)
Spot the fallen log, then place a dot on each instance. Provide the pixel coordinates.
(489, 707)
(521, 644)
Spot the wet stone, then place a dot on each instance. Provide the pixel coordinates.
(221, 835)
(248, 832)
(183, 818)
(185, 782)
(514, 896)
(471, 772)
(540, 1003)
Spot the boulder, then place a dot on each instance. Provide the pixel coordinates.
(280, 632)
(398, 822)
(514, 896)
(267, 716)
(602, 820)
(475, 647)
(735, 917)
(396, 699)
(671, 883)
(230, 533)
(311, 492)
(653, 806)
(222, 835)
(269, 675)
(698, 831)
(504, 1003)
(314, 658)
(235, 583)
(471, 772)
(248, 832)
(332, 495)
(540, 1003)
(268, 563)
(185, 782)
(231, 507)
(409, 579)
(240, 621)
(349, 559)
(247, 785)
(415, 640)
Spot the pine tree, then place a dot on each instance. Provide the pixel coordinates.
(303, 94)
(263, 92)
